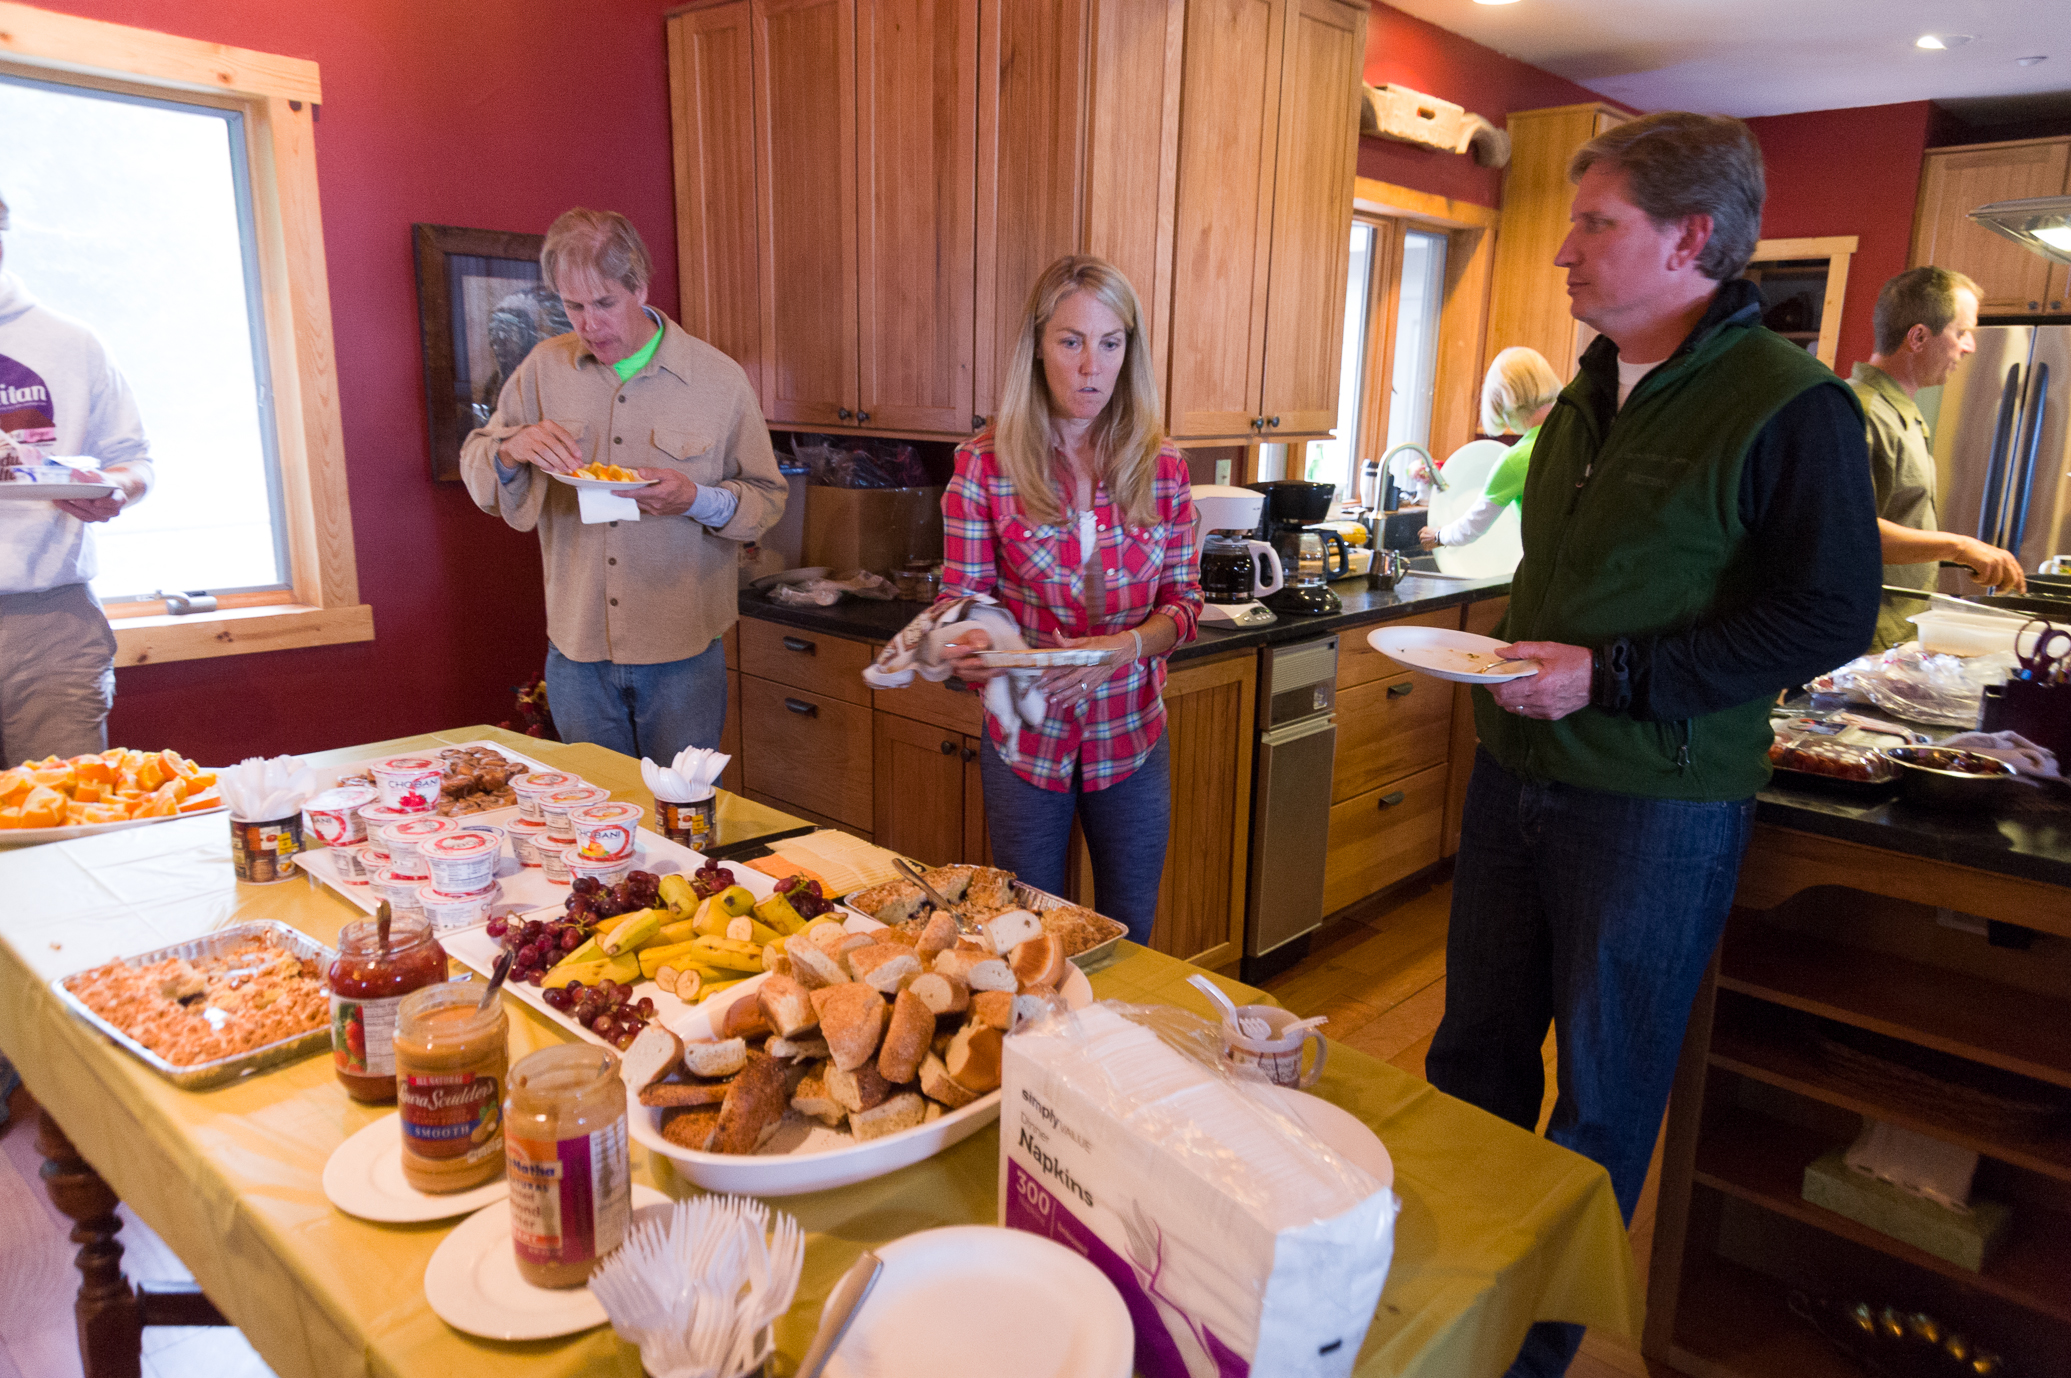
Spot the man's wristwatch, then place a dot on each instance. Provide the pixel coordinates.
(1610, 676)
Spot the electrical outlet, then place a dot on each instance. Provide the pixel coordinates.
(1222, 472)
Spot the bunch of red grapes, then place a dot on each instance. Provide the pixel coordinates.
(606, 1009)
(805, 896)
(710, 878)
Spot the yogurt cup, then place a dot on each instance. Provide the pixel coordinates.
(527, 836)
(553, 860)
(530, 788)
(556, 806)
(405, 842)
(333, 817)
(373, 857)
(449, 911)
(349, 858)
(604, 832)
(399, 891)
(495, 830)
(607, 871)
(410, 783)
(461, 862)
(376, 816)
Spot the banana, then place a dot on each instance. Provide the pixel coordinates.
(711, 918)
(736, 900)
(640, 927)
(747, 930)
(682, 956)
(677, 893)
(726, 952)
(776, 911)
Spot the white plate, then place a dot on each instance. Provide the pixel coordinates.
(30, 837)
(1446, 654)
(473, 1284)
(53, 492)
(364, 1177)
(1341, 1130)
(805, 1155)
(1046, 1313)
(608, 485)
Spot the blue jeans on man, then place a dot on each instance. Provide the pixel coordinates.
(653, 711)
(1125, 825)
(1596, 913)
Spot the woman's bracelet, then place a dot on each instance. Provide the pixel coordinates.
(1137, 637)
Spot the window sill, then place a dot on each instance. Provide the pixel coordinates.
(237, 631)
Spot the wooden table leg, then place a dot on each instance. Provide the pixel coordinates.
(110, 1313)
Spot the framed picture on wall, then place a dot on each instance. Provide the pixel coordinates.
(481, 306)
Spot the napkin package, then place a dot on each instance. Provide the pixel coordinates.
(1240, 1242)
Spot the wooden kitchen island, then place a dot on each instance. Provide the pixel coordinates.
(1948, 933)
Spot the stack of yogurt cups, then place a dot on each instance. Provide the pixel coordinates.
(418, 861)
(555, 806)
(605, 845)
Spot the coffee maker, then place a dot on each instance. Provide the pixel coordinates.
(1293, 506)
(1235, 570)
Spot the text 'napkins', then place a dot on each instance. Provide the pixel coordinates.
(1241, 1243)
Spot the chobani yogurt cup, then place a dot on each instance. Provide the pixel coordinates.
(448, 911)
(604, 832)
(553, 859)
(531, 788)
(350, 859)
(461, 862)
(374, 817)
(527, 836)
(556, 806)
(405, 842)
(399, 891)
(410, 783)
(333, 817)
(605, 871)
(373, 857)
(495, 830)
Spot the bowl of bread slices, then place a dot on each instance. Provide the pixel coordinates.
(864, 1047)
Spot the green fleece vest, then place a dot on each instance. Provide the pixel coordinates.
(1635, 530)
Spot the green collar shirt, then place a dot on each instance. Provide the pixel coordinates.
(1902, 471)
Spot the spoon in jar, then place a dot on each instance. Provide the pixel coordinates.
(383, 917)
(503, 969)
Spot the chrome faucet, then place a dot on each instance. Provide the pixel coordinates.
(1438, 482)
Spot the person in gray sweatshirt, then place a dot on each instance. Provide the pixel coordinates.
(61, 401)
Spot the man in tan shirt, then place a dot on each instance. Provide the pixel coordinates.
(635, 608)
(1924, 322)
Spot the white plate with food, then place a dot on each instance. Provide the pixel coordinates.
(53, 492)
(1047, 1313)
(364, 1177)
(473, 1283)
(1342, 1131)
(605, 485)
(139, 780)
(1462, 657)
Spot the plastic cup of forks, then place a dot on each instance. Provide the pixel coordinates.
(1278, 1053)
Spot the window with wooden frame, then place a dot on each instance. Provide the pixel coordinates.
(234, 378)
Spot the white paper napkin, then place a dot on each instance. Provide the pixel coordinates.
(688, 779)
(260, 790)
(602, 505)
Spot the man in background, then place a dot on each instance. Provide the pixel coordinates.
(635, 608)
(61, 401)
(1699, 533)
(1925, 322)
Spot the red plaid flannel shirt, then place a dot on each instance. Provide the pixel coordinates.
(1033, 571)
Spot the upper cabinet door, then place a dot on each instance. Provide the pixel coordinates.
(805, 220)
(1228, 127)
(711, 75)
(1312, 216)
(1954, 183)
(917, 134)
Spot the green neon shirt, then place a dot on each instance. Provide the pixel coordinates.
(633, 363)
(1506, 483)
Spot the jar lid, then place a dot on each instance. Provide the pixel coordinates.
(418, 828)
(525, 825)
(435, 898)
(445, 995)
(610, 812)
(459, 845)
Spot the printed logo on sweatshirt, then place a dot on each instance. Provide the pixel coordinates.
(26, 412)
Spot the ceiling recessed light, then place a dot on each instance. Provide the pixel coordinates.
(1495, 2)
(1942, 40)
(1928, 40)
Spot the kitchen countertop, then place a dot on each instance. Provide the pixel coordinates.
(863, 620)
(2031, 841)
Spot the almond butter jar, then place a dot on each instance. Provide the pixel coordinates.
(452, 1060)
(570, 1168)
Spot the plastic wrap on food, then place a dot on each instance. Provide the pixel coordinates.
(1918, 685)
(1808, 753)
(1240, 1241)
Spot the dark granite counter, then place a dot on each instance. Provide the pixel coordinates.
(867, 621)
(2031, 840)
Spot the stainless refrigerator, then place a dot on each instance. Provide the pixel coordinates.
(2002, 444)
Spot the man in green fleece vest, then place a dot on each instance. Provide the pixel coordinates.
(1699, 533)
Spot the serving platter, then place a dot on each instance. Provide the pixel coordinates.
(31, 837)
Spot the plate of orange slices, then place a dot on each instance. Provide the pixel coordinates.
(610, 477)
(59, 798)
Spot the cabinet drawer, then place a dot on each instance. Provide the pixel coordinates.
(1359, 663)
(1389, 728)
(933, 703)
(806, 749)
(1374, 843)
(805, 815)
(830, 665)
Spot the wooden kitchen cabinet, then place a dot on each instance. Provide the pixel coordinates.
(1956, 181)
(1529, 297)
(926, 788)
(730, 731)
(712, 76)
(807, 749)
(1268, 149)
(1390, 728)
(830, 665)
(1383, 836)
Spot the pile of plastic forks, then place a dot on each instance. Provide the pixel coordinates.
(699, 1289)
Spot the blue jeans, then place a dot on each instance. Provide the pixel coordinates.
(1596, 913)
(639, 710)
(1125, 824)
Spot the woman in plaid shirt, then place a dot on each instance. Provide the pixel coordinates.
(1073, 511)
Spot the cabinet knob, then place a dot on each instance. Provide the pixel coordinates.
(843, 413)
(1396, 691)
(1275, 421)
(1258, 423)
(949, 748)
(977, 422)
(1391, 799)
(863, 418)
(2034, 306)
(970, 754)
(2056, 306)
(801, 707)
(801, 645)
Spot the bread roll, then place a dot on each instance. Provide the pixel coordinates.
(906, 1038)
(977, 970)
(811, 1097)
(799, 1049)
(787, 1006)
(937, 1084)
(653, 1054)
(691, 1127)
(1036, 1002)
(753, 1108)
(944, 994)
(974, 1058)
(993, 1007)
(852, 1020)
(1011, 928)
(722, 1059)
(902, 1111)
(1039, 961)
(814, 968)
(939, 936)
(881, 965)
(857, 1090)
(664, 1094)
(743, 1019)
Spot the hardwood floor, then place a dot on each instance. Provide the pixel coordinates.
(1381, 980)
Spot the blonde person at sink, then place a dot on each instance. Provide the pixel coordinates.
(1515, 397)
(1073, 511)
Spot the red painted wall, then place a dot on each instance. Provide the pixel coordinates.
(1409, 52)
(495, 116)
(1854, 171)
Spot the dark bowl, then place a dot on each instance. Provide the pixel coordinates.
(1944, 778)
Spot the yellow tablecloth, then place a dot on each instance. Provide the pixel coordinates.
(1498, 1227)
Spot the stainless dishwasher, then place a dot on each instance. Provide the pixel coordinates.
(1290, 816)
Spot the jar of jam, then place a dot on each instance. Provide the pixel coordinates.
(570, 1170)
(452, 1058)
(367, 986)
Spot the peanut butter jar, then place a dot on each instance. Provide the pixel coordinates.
(452, 1063)
(570, 1163)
